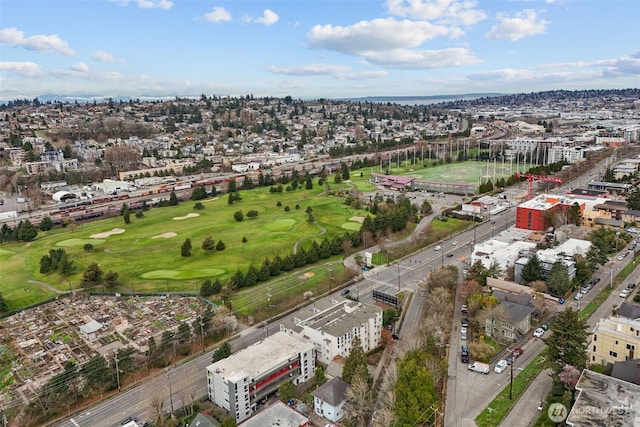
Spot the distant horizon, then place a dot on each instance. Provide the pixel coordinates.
(87, 98)
(315, 49)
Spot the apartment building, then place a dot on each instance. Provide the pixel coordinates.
(614, 339)
(332, 325)
(239, 382)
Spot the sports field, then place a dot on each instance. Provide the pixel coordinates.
(470, 172)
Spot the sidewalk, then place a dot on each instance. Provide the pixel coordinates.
(525, 412)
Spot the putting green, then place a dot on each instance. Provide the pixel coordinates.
(183, 274)
(351, 226)
(78, 243)
(280, 225)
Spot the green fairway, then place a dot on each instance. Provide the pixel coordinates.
(146, 253)
(469, 172)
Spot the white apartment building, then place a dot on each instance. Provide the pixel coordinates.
(240, 381)
(332, 325)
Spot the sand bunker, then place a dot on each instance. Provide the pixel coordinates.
(307, 275)
(107, 233)
(359, 219)
(180, 218)
(165, 235)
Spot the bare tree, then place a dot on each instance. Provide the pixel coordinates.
(359, 400)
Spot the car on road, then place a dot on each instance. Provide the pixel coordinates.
(455, 242)
(625, 293)
(538, 333)
(463, 308)
(464, 321)
(449, 255)
(437, 248)
(500, 366)
(463, 334)
(578, 296)
(480, 367)
(345, 292)
(464, 354)
(517, 352)
(129, 420)
(631, 286)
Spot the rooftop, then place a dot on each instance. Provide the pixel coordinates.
(259, 358)
(604, 401)
(276, 415)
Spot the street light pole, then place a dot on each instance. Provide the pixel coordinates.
(511, 377)
(398, 276)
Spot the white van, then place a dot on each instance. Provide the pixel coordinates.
(482, 368)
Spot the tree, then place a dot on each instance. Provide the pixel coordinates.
(567, 345)
(88, 247)
(633, 199)
(221, 352)
(46, 223)
(26, 231)
(111, 280)
(228, 422)
(286, 391)
(173, 199)
(558, 281)
(186, 248)
(319, 376)
(220, 246)
(477, 272)
(574, 214)
(532, 270)
(206, 288)
(357, 360)
(198, 206)
(415, 391)
(3, 305)
(92, 276)
(360, 401)
(238, 216)
(126, 215)
(199, 193)
(208, 245)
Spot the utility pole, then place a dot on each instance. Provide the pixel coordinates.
(170, 392)
(398, 263)
(117, 370)
(511, 377)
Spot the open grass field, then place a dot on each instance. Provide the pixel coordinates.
(146, 252)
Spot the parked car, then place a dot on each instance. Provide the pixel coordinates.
(631, 286)
(625, 293)
(517, 352)
(538, 333)
(620, 257)
(455, 242)
(437, 248)
(464, 321)
(463, 334)
(463, 308)
(449, 255)
(464, 354)
(345, 292)
(500, 366)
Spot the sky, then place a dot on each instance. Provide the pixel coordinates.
(311, 49)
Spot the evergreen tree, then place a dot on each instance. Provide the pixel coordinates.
(208, 245)
(173, 199)
(357, 360)
(46, 224)
(186, 248)
(221, 352)
(92, 276)
(558, 281)
(567, 345)
(532, 270)
(3, 305)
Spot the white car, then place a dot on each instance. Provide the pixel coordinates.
(437, 248)
(455, 242)
(463, 334)
(624, 293)
(538, 332)
(500, 366)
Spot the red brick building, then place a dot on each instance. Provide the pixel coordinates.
(536, 214)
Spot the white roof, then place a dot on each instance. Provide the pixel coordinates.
(91, 327)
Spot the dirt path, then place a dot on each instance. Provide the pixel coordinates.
(322, 231)
(48, 286)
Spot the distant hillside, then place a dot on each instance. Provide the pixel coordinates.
(416, 100)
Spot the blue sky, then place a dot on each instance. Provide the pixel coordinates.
(313, 48)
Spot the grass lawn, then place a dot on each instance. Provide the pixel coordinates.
(493, 414)
(147, 259)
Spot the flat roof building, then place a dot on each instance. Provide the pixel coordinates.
(239, 382)
(332, 324)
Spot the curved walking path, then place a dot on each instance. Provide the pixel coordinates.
(297, 243)
(48, 286)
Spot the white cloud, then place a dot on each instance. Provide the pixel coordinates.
(451, 11)
(217, 14)
(340, 72)
(102, 56)
(29, 69)
(41, 43)
(522, 24)
(375, 35)
(80, 67)
(423, 59)
(268, 17)
(147, 4)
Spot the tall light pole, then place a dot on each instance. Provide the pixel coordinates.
(398, 264)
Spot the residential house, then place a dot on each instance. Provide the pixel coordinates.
(508, 321)
(329, 399)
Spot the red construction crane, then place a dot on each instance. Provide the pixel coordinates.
(531, 177)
